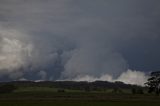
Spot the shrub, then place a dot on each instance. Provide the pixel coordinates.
(61, 90)
(137, 91)
(140, 91)
(7, 88)
(133, 91)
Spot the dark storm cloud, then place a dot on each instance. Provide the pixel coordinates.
(73, 38)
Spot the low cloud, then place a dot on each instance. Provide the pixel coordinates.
(133, 77)
(128, 77)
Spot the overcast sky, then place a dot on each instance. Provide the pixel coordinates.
(66, 39)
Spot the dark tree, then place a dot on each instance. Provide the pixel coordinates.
(154, 82)
(7, 88)
(61, 90)
(140, 91)
(87, 89)
(133, 91)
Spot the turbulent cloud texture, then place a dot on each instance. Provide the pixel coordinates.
(128, 77)
(71, 39)
(14, 54)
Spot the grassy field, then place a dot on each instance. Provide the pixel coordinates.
(50, 97)
(76, 103)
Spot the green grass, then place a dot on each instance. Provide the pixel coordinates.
(34, 89)
(43, 89)
(43, 96)
(76, 103)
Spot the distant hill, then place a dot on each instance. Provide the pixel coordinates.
(73, 85)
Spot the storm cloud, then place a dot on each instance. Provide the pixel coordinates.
(70, 39)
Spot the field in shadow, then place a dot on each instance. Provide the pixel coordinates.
(76, 94)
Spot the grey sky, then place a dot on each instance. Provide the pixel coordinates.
(70, 38)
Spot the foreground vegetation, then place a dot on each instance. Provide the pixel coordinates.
(76, 103)
(77, 99)
(42, 94)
